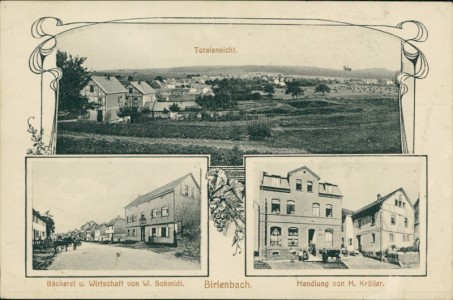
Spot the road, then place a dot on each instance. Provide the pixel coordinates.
(92, 256)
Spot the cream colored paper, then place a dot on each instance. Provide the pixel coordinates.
(20, 99)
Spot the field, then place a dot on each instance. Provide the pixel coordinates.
(335, 123)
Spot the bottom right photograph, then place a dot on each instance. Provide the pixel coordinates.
(336, 215)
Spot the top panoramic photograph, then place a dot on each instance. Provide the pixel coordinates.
(227, 90)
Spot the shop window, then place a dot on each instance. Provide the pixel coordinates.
(276, 236)
(293, 236)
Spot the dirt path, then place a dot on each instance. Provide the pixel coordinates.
(223, 144)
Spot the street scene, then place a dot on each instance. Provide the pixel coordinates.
(305, 221)
(157, 226)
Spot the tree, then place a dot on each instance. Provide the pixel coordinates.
(294, 90)
(75, 78)
(174, 108)
(160, 78)
(322, 88)
(269, 89)
(130, 78)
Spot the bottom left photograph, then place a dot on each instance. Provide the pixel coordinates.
(116, 216)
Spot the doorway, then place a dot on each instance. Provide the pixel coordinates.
(142, 233)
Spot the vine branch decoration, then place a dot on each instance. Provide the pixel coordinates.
(226, 205)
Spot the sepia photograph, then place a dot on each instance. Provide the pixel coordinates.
(117, 215)
(174, 93)
(336, 213)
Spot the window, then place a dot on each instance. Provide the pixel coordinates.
(276, 236)
(293, 236)
(404, 237)
(315, 209)
(165, 211)
(275, 206)
(130, 90)
(134, 217)
(373, 219)
(91, 88)
(178, 227)
(408, 238)
(404, 204)
(134, 233)
(393, 220)
(359, 222)
(135, 101)
(154, 213)
(275, 181)
(350, 242)
(406, 223)
(142, 216)
(373, 238)
(309, 186)
(400, 204)
(153, 232)
(120, 99)
(184, 190)
(290, 207)
(298, 185)
(192, 192)
(396, 202)
(164, 231)
(329, 211)
(328, 238)
(392, 237)
(128, 232)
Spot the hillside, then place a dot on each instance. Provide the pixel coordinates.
(378, 73)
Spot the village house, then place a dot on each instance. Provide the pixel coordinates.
(108, 94)
(39, 226)
(297, 212)
(115, 230)
(417, 219)
(386, 222)
(85, 230)
(99, 232)
(140, 94)
(158, 216)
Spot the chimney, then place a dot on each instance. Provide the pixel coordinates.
(379, 196)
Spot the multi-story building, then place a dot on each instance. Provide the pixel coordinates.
(159, 215)
(386, 222)
(140, 94)
(108, 94)
(295, 213)
(39, 226)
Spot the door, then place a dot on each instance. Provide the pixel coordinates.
(359, 243)
(100, 117)
(142, 234)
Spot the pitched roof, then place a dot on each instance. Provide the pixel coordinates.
(345, 211)
(143, 87)
(113, 221)
(304, 168)
(329, 189)
(379, 201)
(161, 190)
(109, 85)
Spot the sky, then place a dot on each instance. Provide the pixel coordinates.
(78, 190)
(132, 46)
(359, 179)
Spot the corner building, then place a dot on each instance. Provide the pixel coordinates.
(296, 212)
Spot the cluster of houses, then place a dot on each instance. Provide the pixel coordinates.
(300, 212)
(155, 217)
(42, 226)
(109, 95)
